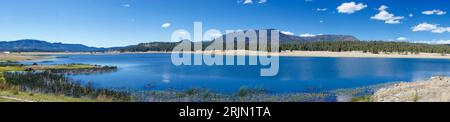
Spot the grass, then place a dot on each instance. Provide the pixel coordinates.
(366, 98)
(65, 66)
(416, 96)
(10, 90)
(361, 94)
(38, 97)
(5, 69)
(40, 67)
(11, 68)
(244, 94)
(45, 67)
(259, 94)
(59, 84)
(7, 100)
(246, 91)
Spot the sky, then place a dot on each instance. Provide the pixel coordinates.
(109, 23)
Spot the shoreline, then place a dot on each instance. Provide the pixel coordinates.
(19, 57)
(435, 89)
(348, 54)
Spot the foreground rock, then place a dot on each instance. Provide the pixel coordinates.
(436, 89)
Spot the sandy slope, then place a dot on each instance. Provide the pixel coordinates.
(15, 57)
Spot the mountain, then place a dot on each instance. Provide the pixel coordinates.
(290, 39)
(330, 38)
(283, 39)
(143, 47)
(287, 39)
(31, 45)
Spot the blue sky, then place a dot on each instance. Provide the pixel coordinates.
(107, 23)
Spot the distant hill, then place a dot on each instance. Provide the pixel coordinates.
(283, 39)
(288, 39)
(143, 47)
(330, 38)
(31, 45)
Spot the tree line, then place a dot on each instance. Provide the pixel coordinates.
(368, 46)
(334, 46)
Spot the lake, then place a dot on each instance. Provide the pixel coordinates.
(297, 74)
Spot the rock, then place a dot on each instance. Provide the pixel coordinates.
(436, 89)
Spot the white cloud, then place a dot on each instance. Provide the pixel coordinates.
(248, 1)
(262, 1)
(287, 33)
(443, 42)
(434, 28)
(434, 42)
(441, 30)
(251, 1)
(321, 9)
(165, 25)
(402, 38)
(126, 5)
(350, 7)
(387, 17)
(424, 27)
(308, 0)
(436, 12)
(307, 35)
(383, 8)
(411, 15)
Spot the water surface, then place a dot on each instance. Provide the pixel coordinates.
(297, 74)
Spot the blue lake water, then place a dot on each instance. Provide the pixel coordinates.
(296, 74)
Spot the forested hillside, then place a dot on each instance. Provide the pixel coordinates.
(368, 46)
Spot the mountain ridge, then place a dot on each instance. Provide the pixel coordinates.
(34, 45)
(288, 39)
(283, 39)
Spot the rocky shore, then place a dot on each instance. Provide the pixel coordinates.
(436, 89)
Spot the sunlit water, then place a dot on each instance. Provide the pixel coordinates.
(296, 74)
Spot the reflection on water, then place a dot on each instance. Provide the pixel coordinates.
(297, 74)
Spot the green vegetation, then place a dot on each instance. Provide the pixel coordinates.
(259, 94)
(5, 69)
(335, 46)
(59, 84)
(39, 97)
(242, 95)
(79, 69)
(416, 96)
(11, 68)
(144, 47)
(246, 91)
(361, 94)
(365, 98)
(67, 66)
(7, 100)
(368, 46)
(50, 84)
